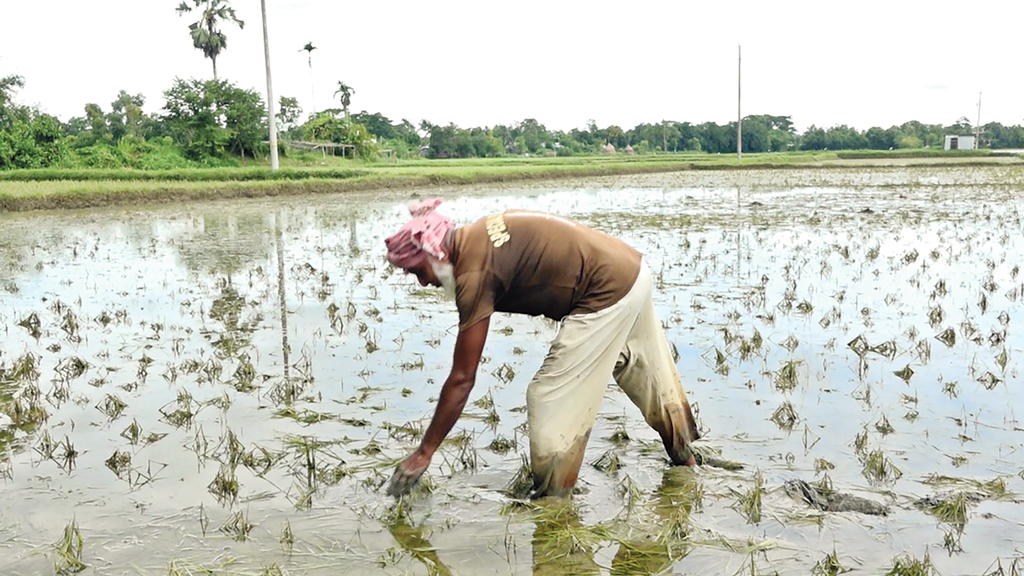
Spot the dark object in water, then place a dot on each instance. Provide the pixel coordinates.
(828, 501)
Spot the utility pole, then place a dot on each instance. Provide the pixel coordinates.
(739, 94)
(977, 127)
(274, 164)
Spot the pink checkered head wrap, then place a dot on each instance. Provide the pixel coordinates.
(420, 237)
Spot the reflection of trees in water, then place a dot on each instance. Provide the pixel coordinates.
(226, 243)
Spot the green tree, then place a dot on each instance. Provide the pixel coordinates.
(346, 92)
(206, 33)
(8, 84)
(125, 117)
(210, 118)
(288, 112)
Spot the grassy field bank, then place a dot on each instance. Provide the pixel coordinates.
(22, 190)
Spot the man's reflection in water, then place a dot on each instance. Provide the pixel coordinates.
(663, 543)
(411, 539)
(562, 546)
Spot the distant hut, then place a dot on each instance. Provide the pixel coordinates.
(958, 142)
(629, 150)
(608, 149)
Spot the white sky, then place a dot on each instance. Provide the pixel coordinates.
(562, 62)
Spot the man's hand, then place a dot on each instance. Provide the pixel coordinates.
(408, 473)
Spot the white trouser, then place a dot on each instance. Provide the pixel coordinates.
(626, 341)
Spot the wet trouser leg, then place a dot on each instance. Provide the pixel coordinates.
(647, 373)
(564, 396)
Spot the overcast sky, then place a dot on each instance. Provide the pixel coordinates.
(562, 62)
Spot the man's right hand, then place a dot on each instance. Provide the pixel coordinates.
(408, 474)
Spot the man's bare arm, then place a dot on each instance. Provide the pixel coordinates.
(469, 346)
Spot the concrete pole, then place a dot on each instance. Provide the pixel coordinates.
(977, 127)
(739, 112)
(274, 163)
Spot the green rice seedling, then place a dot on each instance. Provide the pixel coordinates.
(272, 570)
(951, 541)
(502, 445)
(952, 509)
(410, 431)
(820, 464)
(785, 416)
(223, 401)
(886, 349)
(924, 351)
(224, 486)
(809, 439)
(372, 338)
(46, 446)
(859, 345)
(244, 376)
(951, 389)
(879, 468)
(750, 501)
(504, 373)
(883, 427)
(935, 316)
(908, 565)
(989, 380)
(521, 484)
(860, 442)
(237, 526)
(66, 459)
(260, 460)
(184, 410)
(120, 463)
(70, 368)
(24, 369)
(947, 337)
(111, 406)
(1001, 359)
(629, 490)
(788, 376)
(32, 324)
(25, 413)
(1016, 567)
(69, 551)
(829, 565)
(486, 402)
(287, 537)
(995, 488)
(607, 462)
(905, 374)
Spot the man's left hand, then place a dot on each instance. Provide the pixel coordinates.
(408, 473)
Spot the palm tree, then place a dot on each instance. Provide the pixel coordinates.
(346, 92)
(206, 34)
(309, 52)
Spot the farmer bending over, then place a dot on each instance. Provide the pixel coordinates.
(596, 286)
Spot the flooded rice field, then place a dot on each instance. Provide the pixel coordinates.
(223, 388)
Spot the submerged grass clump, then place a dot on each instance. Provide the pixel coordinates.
(879, 468)
(908, 565)
(69, 551)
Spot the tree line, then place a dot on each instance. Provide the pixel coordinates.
(216, 123)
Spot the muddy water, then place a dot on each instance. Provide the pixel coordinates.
(226, 386)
